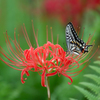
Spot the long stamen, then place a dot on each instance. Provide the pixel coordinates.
(12, 61)
(57, 38)
(16, 46)
(90, 51)
(47, 32)
(78, 31)
(9, 65)
(51, 34)
(18, 49)
(16, 54)
(35, 35)
(12, 57)
(90, 37)
(26, 36)
(90, 57)
(10, 46)
(76, 73)
(82, 33)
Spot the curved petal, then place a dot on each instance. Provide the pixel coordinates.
(24, 71)
(51, 74)
(67, 77)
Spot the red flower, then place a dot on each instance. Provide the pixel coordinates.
(48, 60)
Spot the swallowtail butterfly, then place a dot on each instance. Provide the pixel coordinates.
(74, 43)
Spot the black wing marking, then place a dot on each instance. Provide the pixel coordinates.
(75, 34)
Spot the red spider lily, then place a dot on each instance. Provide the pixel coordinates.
(64, 10)
(48, 60)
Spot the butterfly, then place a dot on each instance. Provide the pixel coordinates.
(74, 43)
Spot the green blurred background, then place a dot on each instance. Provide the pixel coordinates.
(55, 13)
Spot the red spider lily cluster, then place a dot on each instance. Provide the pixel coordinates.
(47, 60)
(64, 10)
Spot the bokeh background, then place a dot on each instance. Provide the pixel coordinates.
(55, 14)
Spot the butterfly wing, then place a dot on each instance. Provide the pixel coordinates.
(74, 43)
(71, 37)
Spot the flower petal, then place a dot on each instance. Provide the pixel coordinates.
(51, 74)
(67, 77)
(24, 71)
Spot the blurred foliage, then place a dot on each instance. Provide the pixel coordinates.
(13, 13)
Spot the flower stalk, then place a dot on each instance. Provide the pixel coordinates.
(48, 87)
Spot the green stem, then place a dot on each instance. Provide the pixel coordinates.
(48, 88)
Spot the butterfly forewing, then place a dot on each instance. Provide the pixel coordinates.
(69, 37)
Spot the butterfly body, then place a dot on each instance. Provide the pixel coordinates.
(74, 43)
